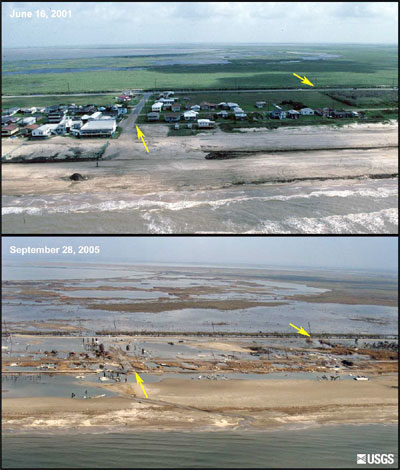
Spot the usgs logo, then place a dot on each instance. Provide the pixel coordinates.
(375, 459)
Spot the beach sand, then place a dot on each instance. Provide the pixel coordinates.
(175, 163)
(189, 404)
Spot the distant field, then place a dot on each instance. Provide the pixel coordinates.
(248, 67)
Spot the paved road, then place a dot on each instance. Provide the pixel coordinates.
(210, 91)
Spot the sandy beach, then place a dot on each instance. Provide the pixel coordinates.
(175, 163)
(196, 405)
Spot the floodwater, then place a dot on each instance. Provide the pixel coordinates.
(44, 385)
(326, 447)
(361, 206)
(17, 306)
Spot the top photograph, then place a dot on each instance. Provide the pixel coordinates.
(199, 118)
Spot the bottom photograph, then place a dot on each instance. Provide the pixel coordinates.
(199, 352)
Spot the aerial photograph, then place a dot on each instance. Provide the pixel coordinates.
(199, 117)
(199, 352)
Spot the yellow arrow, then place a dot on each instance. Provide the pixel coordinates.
(139, 381)
(140, 135)
(304, 80)
(302, 331)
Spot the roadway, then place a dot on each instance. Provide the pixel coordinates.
(205, 90)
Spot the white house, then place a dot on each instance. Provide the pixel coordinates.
(293, 114)
(43, 131)
(205, 123)
(29, 110)
(232, 105)
(240, 114)
(27, 121)
(238, 109)
(167, 100)
(157, 107)
(189, 115)
(307, 112)
(195, 107)
(103, 127)
(95, 116)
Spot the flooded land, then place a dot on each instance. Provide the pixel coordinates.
(209, 343)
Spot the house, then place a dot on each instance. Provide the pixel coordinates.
(28, 110)
(55, 116)
(157, 107)
(222, 114)
(176, 127)
(195, 107)
(11, 111)
(74, 124)
(338, 114)
(95, 116)
(153, 116)
(237, 109)
(190, 115)
(27, 131)
(207, 106)
(123, 98)
(7, 131)
(322, 112)
(260, 104)
(175, 107)
(172, 117)
(293, 114)
(307, 112)
(5, 120)
(167, 100)
(205, 123)
(42, 131)
(101, 128)
(239, 114)
(28, 120)
(89, 109)
(222, 105)
(277, 114)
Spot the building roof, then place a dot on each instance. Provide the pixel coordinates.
(32, 126)
(108, 124)
(172, 115)
(11, 127)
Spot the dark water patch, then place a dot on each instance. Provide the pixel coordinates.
(70, 70)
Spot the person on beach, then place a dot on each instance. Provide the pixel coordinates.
(72, 395)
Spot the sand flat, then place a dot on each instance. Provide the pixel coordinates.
(186, 404)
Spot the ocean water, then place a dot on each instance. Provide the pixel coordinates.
(334, 207)
(321, 447)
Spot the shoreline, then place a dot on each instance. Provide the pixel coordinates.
(232, 405)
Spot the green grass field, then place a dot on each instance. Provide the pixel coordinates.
(267, 67)
(28, 102)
